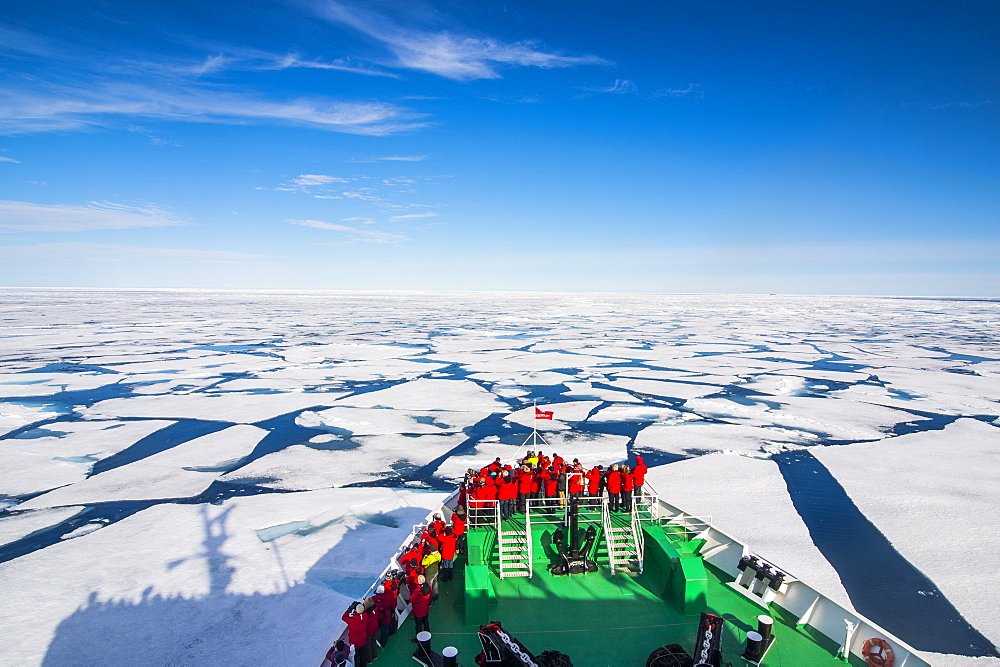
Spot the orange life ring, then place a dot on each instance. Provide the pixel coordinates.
(878, 653)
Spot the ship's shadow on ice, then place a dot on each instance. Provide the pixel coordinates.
(223, 627)
(881, 583)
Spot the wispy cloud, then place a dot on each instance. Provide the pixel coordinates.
(693, 90)
(354, 234)
(232, 58)
(68, 107)
(390, 158)
(463, 58)
(112, 253)
(964, 104)
(4, 158)
(20, 216)
(317, 179)
(411, 216)
(619, 87)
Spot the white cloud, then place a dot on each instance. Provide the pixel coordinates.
(101, 252)
(693, 90)
(408, 216)
(317, 179)
(356, 235)
(9, 159)
(363, 196)
(445, 54)
(20, 216)
(620, 87)
(74, 107)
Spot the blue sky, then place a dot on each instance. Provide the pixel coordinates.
(843, 148)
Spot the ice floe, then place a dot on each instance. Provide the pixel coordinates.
(429, 394)
(22, 524)
(373, 421)
(378, 457)
(179, 472)
(233, 407)
(936, 496)
(693, 438)
(14, 416)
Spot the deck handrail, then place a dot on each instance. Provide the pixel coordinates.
(637, 535)
(608, 536)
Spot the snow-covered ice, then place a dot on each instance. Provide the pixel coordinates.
(16, 526)
(936, 496)
(179, 472)
(327, 390)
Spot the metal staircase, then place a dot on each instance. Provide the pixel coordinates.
(626, 542)
(514, 551)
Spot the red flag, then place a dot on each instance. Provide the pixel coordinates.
(543, 414)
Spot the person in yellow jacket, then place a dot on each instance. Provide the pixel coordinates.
(432, 566)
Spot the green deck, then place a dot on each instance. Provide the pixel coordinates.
(600, 619)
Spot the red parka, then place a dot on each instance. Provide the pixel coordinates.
(457, 525)
(575, 481)
(627, 481)
(508, 489)
(357, 627)
(448, 546)
(421, 602)
(411, 558)
(614, 481)
(639, 472)
(385, 603)
(524, 480)
(593, 481)
(551, 484)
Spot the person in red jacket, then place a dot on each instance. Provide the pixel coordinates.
(550, 479)
(639, 474)
(420, 598)
(411, 558)
(614, 484)
(449, 542)
(458, 528)
(413, 580)
(436, 526)
(507, 495)
(372, 615)
(627, 485)
(524, 479)
(538, 483)
(575, 482)
(357, 633)
(385, 609)
(594, 481)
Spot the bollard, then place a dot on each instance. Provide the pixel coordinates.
(754, 651)
(423, 654)
(765, 628)
(449, 654)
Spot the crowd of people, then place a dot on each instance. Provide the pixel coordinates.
(430, 559)
(538, 476)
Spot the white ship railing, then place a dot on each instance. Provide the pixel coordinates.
(609, 536)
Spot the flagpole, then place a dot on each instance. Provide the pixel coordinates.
(534, 437)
